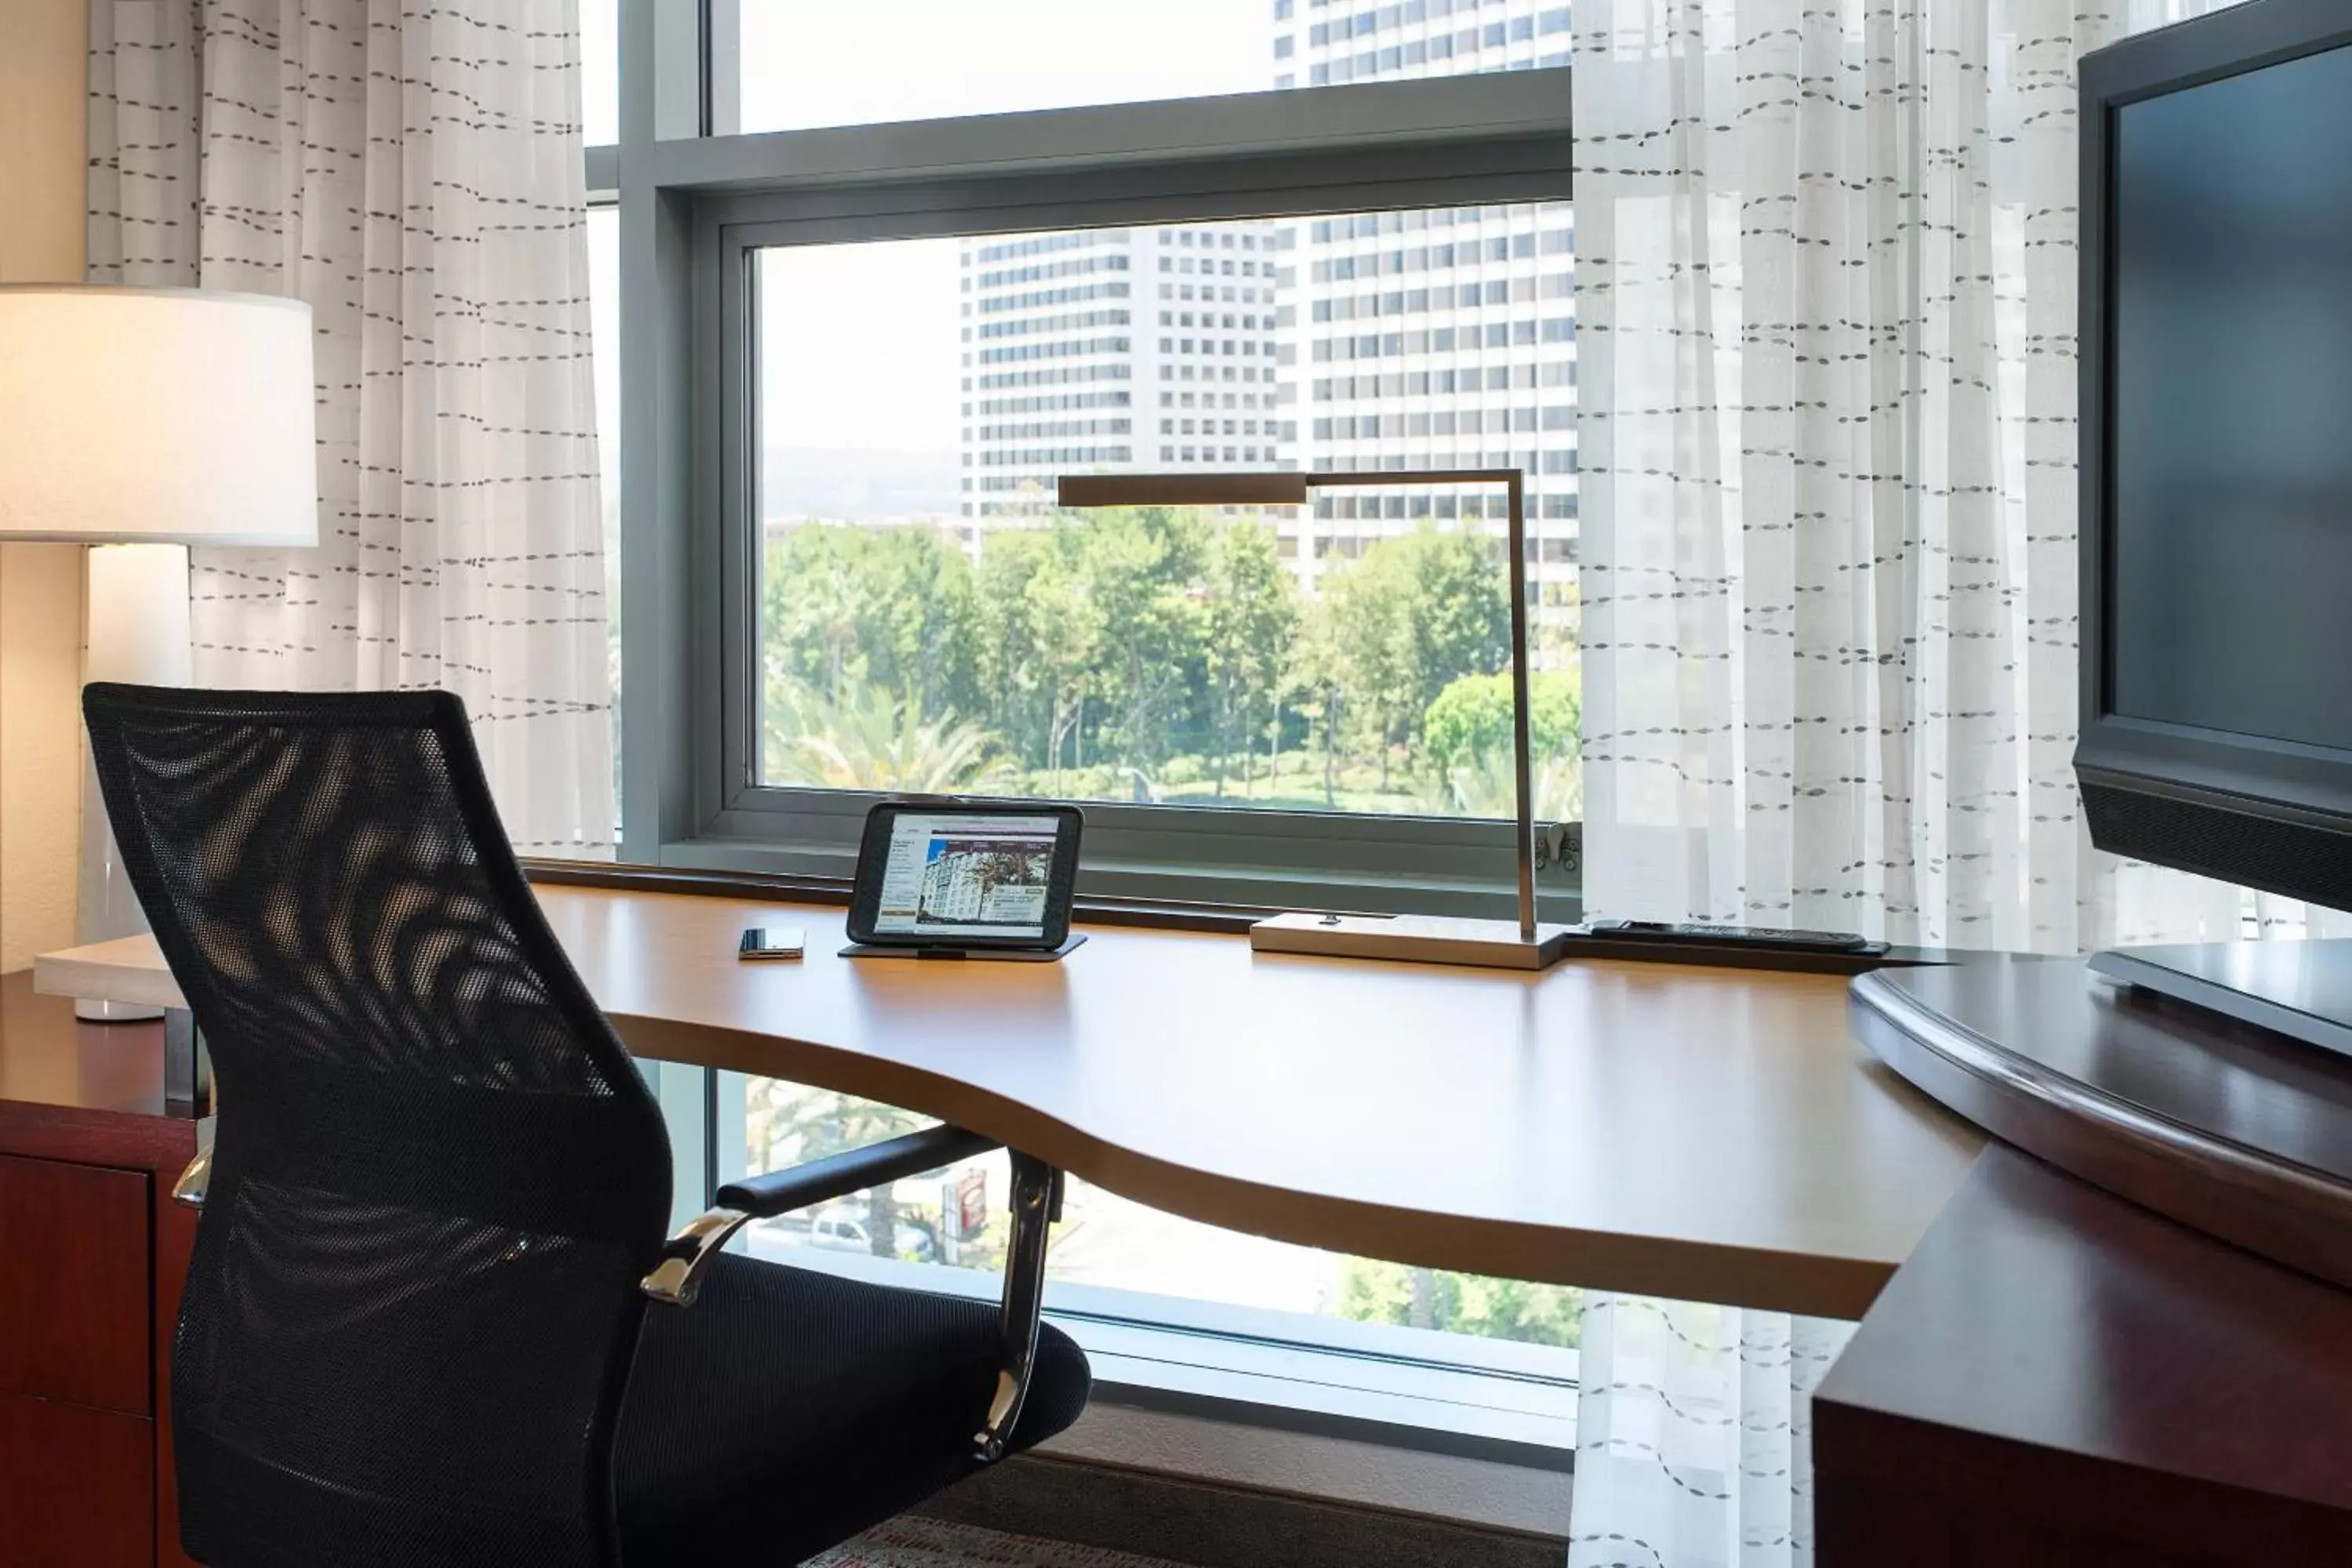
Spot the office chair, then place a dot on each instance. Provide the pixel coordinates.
(431, 1319)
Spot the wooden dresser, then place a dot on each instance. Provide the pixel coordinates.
(92, 1253)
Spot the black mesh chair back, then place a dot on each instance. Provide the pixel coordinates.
(436, 1175)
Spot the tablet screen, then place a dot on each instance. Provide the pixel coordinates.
(951, 875)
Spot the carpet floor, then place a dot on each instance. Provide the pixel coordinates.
(911, 1542)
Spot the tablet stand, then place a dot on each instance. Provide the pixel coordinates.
(1004, 955)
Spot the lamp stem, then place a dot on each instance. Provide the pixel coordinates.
(137, 624)
(1522, 740)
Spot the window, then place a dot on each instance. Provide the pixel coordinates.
(860, 581)
(1109, 1257)
(915, 633)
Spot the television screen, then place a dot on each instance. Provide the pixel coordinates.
(2229, 426)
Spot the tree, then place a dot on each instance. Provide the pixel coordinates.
(1141, 568)
(1453, 1303)
(844, 607)
(1252, 622)
(868, 739)
(1410, 617)
(1471, 717)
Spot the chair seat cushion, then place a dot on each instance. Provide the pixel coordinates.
(789, 1409)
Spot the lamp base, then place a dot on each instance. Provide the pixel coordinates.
(1414, 939)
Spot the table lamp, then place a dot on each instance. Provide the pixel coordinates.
(1432, 939)
(143, 421)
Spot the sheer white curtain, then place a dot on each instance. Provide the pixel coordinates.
(413, 173)
(1825, 282)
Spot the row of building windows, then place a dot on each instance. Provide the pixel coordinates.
(1401, 56)
(1208, 294)
(1209, 372)
(1063, 376)
(1446, 340)
(1071, 322)
(1210, 346)
(1248, 324)
(1499, 250)
(1209, 455)
(1446, 382)
(1460, 297)
(1417, 220)
(1046, 429)
(1220, 267)
(1045, 456)
(1209, 400)
(1443, 422)
(1115, 262)
(1364, 23)
(1077, 294)
(1560, 460)
(1401, 508)
(1044, 245)
(1278, 430)
(1215, 238)
(1053, 402)
(1055, 351)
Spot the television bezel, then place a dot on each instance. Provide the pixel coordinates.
(2233, 776)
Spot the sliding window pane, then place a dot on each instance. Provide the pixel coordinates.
(807, 63)
(931, 620)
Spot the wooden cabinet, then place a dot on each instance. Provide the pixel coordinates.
(92, 1255)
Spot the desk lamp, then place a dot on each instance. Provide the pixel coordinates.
(1433, 939)
(142, 421)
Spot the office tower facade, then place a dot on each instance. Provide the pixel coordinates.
(1108, 350)
(1436, 338)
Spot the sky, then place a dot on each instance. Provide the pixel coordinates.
(860, 342)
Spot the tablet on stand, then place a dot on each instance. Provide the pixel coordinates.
(954, 880)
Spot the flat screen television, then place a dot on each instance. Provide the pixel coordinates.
(2216, 312)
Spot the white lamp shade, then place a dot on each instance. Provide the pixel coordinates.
(171, 415)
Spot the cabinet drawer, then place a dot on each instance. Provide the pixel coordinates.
(73, 1299)
(76, 1487)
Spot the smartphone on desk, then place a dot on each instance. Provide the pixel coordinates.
(772, 942)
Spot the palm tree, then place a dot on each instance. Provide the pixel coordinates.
(868, 739)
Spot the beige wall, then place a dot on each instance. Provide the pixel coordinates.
(43, 52)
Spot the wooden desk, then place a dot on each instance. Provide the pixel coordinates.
(1704, 1133)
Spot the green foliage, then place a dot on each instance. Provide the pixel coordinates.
(1252, 624)
(1143, 653)
(1414, 613)
(891, 607)
(1375, 1292)
(867, 738)
(1472, 718)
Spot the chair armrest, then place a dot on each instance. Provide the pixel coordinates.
(853, 1171)
(687, 1256)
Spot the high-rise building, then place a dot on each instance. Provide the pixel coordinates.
(1104, 349)
(1435, 339)
(1395, 339)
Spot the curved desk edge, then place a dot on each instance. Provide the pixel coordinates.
(2250, 1197)
(1682, 1269)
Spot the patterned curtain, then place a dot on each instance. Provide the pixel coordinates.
(414, 174)
(1826, 316)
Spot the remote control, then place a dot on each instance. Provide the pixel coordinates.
(1740, 936)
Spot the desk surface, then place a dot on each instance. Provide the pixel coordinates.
(1706, 1133)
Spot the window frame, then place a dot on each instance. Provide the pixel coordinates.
(694, 210)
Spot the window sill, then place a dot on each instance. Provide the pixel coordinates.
(1250, 889)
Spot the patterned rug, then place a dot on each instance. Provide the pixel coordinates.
(929, 1543)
